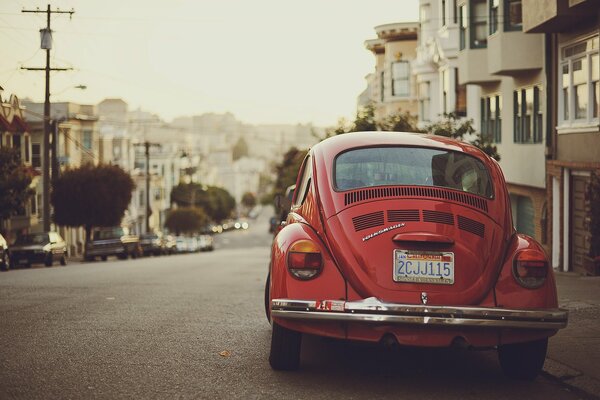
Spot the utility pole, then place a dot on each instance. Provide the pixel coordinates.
(147, 145)
(46, 44)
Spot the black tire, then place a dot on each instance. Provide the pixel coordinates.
(63, 260)
(267, 288)
(48, 261)
(104, 258)
(89, 258)
(523, 361)
(285, 348)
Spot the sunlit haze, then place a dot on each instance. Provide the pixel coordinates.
(266, 61)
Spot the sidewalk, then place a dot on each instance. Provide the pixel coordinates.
(574, 353)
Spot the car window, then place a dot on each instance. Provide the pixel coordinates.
(302, 189)
(388, 166)
(108, 233)
(34, 238)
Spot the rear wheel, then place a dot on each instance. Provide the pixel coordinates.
(48, 260)
(523, 360)
(104, 258)
(285, 348)
(63, 260)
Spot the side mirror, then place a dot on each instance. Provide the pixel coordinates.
(278, 202)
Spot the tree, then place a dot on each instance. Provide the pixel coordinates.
(15, 179)
(365, 121)
(91, 196)
(216, 202)
(399, 122)
(240, 149)
(455, 127)
(186, 220)
(248, 200)
(287, 170)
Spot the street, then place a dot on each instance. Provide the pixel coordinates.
(193, 326)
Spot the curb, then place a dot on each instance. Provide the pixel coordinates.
(572, 379)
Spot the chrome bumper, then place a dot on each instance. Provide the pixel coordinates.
(374, 311)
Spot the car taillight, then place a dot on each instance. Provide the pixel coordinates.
(304, 260)
(530, 268)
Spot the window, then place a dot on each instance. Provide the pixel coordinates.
(16, 142)
(460, 108)
(36, 155)
(381, 86)
(27, 150)
(454, 12)
(513, 16)
(424, 101)
(443, 13)
(478, 24)
(445, 90)
(394, 166)
(304, 182)
(401, 78)
(491, 122)
(528, 117)
(87, 139)
(494, 5)
(462, 13)
(580, 70)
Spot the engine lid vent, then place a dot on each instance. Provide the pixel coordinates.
(470, 225)
(416, 191)
(367, 221)
(403, 215)
(438, 217)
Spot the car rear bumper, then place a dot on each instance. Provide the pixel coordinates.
(372, 310)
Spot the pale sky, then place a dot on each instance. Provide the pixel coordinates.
(266, 61)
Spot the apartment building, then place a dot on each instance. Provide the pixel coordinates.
(73, 142)
(15, 133)
(571, 29)
(507, 66)
(436, 64)
(391, 88)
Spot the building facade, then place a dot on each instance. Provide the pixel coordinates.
(74, 141)
(436, 63)
(507, 67)
(571, 29)
(391, 88)
(15, 133)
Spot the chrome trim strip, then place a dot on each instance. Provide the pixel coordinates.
(374, 311)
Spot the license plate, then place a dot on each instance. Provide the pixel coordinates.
(23, 261)
(424, 267)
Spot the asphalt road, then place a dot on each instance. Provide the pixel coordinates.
(193, 326)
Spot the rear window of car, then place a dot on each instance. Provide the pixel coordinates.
(111, 233)
(34, 238)
(414, 166)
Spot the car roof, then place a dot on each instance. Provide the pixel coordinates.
(335, 144)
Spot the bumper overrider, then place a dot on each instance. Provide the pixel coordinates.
(372, 310)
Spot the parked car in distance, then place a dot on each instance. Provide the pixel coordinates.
(205, 243)
(4, 256)
(170, 244)
(43, 248)
(152, 244)
(408, 238)
(112, 241)
(192, 244)
(181, 244)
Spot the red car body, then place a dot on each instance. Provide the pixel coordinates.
(408, 237)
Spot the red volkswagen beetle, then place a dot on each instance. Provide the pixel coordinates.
(408, 238)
